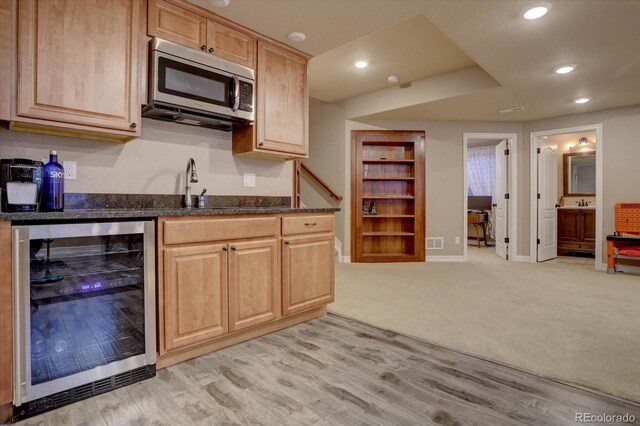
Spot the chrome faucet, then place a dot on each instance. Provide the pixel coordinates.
(191, 177)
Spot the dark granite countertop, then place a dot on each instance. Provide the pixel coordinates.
(72, 214)
(115, 206)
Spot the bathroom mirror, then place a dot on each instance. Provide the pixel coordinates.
(579, 173)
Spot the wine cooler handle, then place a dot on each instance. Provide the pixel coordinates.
(17, 311)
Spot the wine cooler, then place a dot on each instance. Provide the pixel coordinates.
(84, 311)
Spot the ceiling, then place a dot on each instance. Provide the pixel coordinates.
(418, 39)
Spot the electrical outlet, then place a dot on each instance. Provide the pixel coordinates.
(69, 170)
(457, 240)
(249, 180)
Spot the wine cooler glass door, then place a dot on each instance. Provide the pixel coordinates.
(85, 301)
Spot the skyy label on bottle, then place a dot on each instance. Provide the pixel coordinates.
(53, 184)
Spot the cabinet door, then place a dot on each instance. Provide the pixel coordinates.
(283, 99)
(78, 62)
(254, 291)
(195, 294)
(568, 225)
(176, 24)
(231, 44)
(589, 226)
(307, 273)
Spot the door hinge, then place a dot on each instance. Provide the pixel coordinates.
(539, 150)
(506, 240)
(506, 152)
(506, 196)
(538, 240)
(538, 195)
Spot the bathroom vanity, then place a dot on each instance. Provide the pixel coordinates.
(576, 230)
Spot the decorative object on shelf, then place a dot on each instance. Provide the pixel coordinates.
(561, 202)
(365, 210)
(372, 210)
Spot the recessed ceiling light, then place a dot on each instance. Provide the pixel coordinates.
(392, 79)
(513, 109)
(361, 64)
(565, 69)
(536, 11)
(296, 37)
(219, 3)
(582, 100)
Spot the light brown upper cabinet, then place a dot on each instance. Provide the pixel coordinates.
(171, 22)
(78, 68)
(281, 130)
(231, 44)
(283, 101)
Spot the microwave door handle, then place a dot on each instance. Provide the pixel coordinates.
(236, 93)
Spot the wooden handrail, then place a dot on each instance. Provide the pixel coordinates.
(324, 184)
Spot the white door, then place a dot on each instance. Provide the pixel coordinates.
(548, 196)
(501, 204)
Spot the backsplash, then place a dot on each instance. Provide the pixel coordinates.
(155, 163)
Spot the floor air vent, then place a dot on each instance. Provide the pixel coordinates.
(85, 391)
(435, 243)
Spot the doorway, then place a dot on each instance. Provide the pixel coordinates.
(490, 194)
(566, 194)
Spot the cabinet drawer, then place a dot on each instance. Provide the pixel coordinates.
(203, 230)
(292, 225)
(578, 246)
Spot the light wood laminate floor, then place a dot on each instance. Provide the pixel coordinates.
(335, 371)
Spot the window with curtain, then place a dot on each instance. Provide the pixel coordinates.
(481, 171)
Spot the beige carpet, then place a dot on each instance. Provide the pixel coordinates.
(562, 319)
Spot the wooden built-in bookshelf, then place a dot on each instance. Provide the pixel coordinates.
(388, 170)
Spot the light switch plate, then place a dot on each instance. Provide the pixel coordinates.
(69, 170)
(249, 180)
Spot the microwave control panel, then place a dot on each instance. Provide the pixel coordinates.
(246, 96)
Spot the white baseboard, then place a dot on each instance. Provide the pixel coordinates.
(523, 259)
(445, 259)
(345, 259)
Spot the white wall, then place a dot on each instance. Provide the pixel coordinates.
(155, 163)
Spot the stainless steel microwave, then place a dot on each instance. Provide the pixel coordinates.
(193, 87)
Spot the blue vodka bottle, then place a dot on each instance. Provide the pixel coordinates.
(53, 184)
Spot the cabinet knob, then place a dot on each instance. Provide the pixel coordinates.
(224, 248)
(234, 248)
(260, 143)
(287, 242)
(203, 47)
(133, 125)
(211, 50)
(310, 224)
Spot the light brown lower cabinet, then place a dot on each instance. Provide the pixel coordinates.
(195, 294)
(263, 273)
(254, 293)
(307, 272)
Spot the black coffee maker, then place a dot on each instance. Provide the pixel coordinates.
(21, 184)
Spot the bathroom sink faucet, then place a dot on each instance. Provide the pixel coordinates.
(191, 177)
